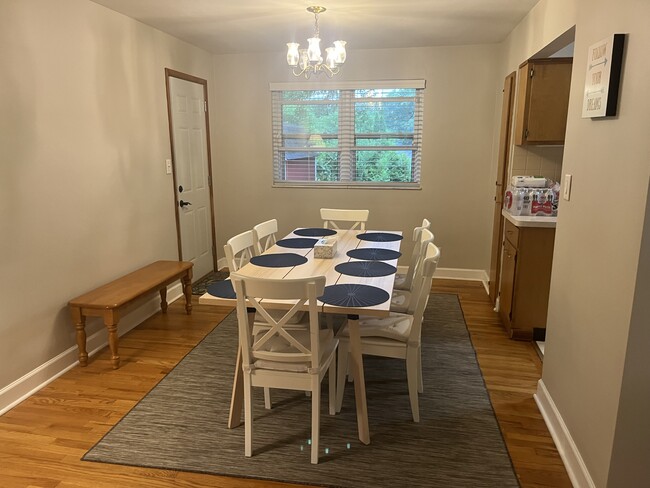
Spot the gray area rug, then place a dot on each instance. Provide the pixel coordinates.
(181, 423)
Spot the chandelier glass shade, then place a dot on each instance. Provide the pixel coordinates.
(305, 62)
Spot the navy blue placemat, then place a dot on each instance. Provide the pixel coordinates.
(314, 232)
(380, 237)
(374, 254)
(351, 295)
(280, 260)
(221, 289)
(367, 269)
(297, 243)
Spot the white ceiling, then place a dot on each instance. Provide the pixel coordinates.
(244, 26)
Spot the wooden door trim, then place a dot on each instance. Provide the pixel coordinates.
(170, 73)
(505, 144)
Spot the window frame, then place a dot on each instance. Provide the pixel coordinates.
(346, 132)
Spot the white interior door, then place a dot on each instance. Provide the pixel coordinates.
(188, 110)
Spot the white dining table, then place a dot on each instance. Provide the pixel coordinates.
(346, 240)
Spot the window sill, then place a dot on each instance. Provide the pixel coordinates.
(350, 186)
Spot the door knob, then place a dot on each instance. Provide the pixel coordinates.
(183, 204)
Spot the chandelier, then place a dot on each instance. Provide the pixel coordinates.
(308, 61)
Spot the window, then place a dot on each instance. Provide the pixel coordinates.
(347, 134)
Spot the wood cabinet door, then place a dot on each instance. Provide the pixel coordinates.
(548, 102)
(542, 101)
(508, 270)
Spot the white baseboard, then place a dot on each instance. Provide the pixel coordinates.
(573, 462)
(463, 274)
(222, 264)
(14, 393)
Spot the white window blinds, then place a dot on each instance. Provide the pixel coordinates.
(348, 134)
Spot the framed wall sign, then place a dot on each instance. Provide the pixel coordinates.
(604, 61)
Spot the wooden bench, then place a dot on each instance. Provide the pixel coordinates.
(109, 300)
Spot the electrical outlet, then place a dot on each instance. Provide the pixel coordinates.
(168, 166)
(566, 187)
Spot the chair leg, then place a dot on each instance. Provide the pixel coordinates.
(315, 418)
(248, 416)
(348, 374)
(331, 397)
(420, 379)
(341, 367)
(413, 381)
(329, 320)
(267, 398)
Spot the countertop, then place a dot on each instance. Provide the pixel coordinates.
(529, 221)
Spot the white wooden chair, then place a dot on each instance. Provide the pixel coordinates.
(282, 357)
(404, 275)
(333, 216)
(396, 336)
(239, 250)
(404, 301)
(264, 235)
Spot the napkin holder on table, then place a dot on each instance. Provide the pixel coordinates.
(325, 248)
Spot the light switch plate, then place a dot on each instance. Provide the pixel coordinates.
(566, 187)
(168, 166)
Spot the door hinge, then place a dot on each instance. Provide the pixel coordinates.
(526, 134)
(209, 180)
(205, 105)
(532, 72)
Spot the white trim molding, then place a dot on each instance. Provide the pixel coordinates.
(222, 264)
(464, 274)
(573, 462)
(14, 393)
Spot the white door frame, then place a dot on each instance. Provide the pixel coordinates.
(169, 73)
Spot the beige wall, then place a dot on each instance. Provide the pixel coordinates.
(596, 354)
(84, 196)
(595, 288)
(456, 194)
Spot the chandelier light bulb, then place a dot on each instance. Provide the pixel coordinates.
(340, 51)
(314, 49)
(292, 53)
(310, 61)
(330, 60)
(304, 59)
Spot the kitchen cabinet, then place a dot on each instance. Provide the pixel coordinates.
(542, 101)
(525, 278)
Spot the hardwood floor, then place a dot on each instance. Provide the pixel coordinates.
(43, 438)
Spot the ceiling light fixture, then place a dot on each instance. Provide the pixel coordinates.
(308, 61)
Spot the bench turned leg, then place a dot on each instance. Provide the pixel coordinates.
(187, 290)
(79, 322)
(163, 299)
(110, 321)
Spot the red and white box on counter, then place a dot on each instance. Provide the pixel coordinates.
(532, 201)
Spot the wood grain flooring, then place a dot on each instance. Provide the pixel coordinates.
(43, 438)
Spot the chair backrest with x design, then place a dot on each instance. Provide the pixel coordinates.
(279, 343)
(355, 218)
(415, 254)
(429, 263)
(264, 235)
(239, 250)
